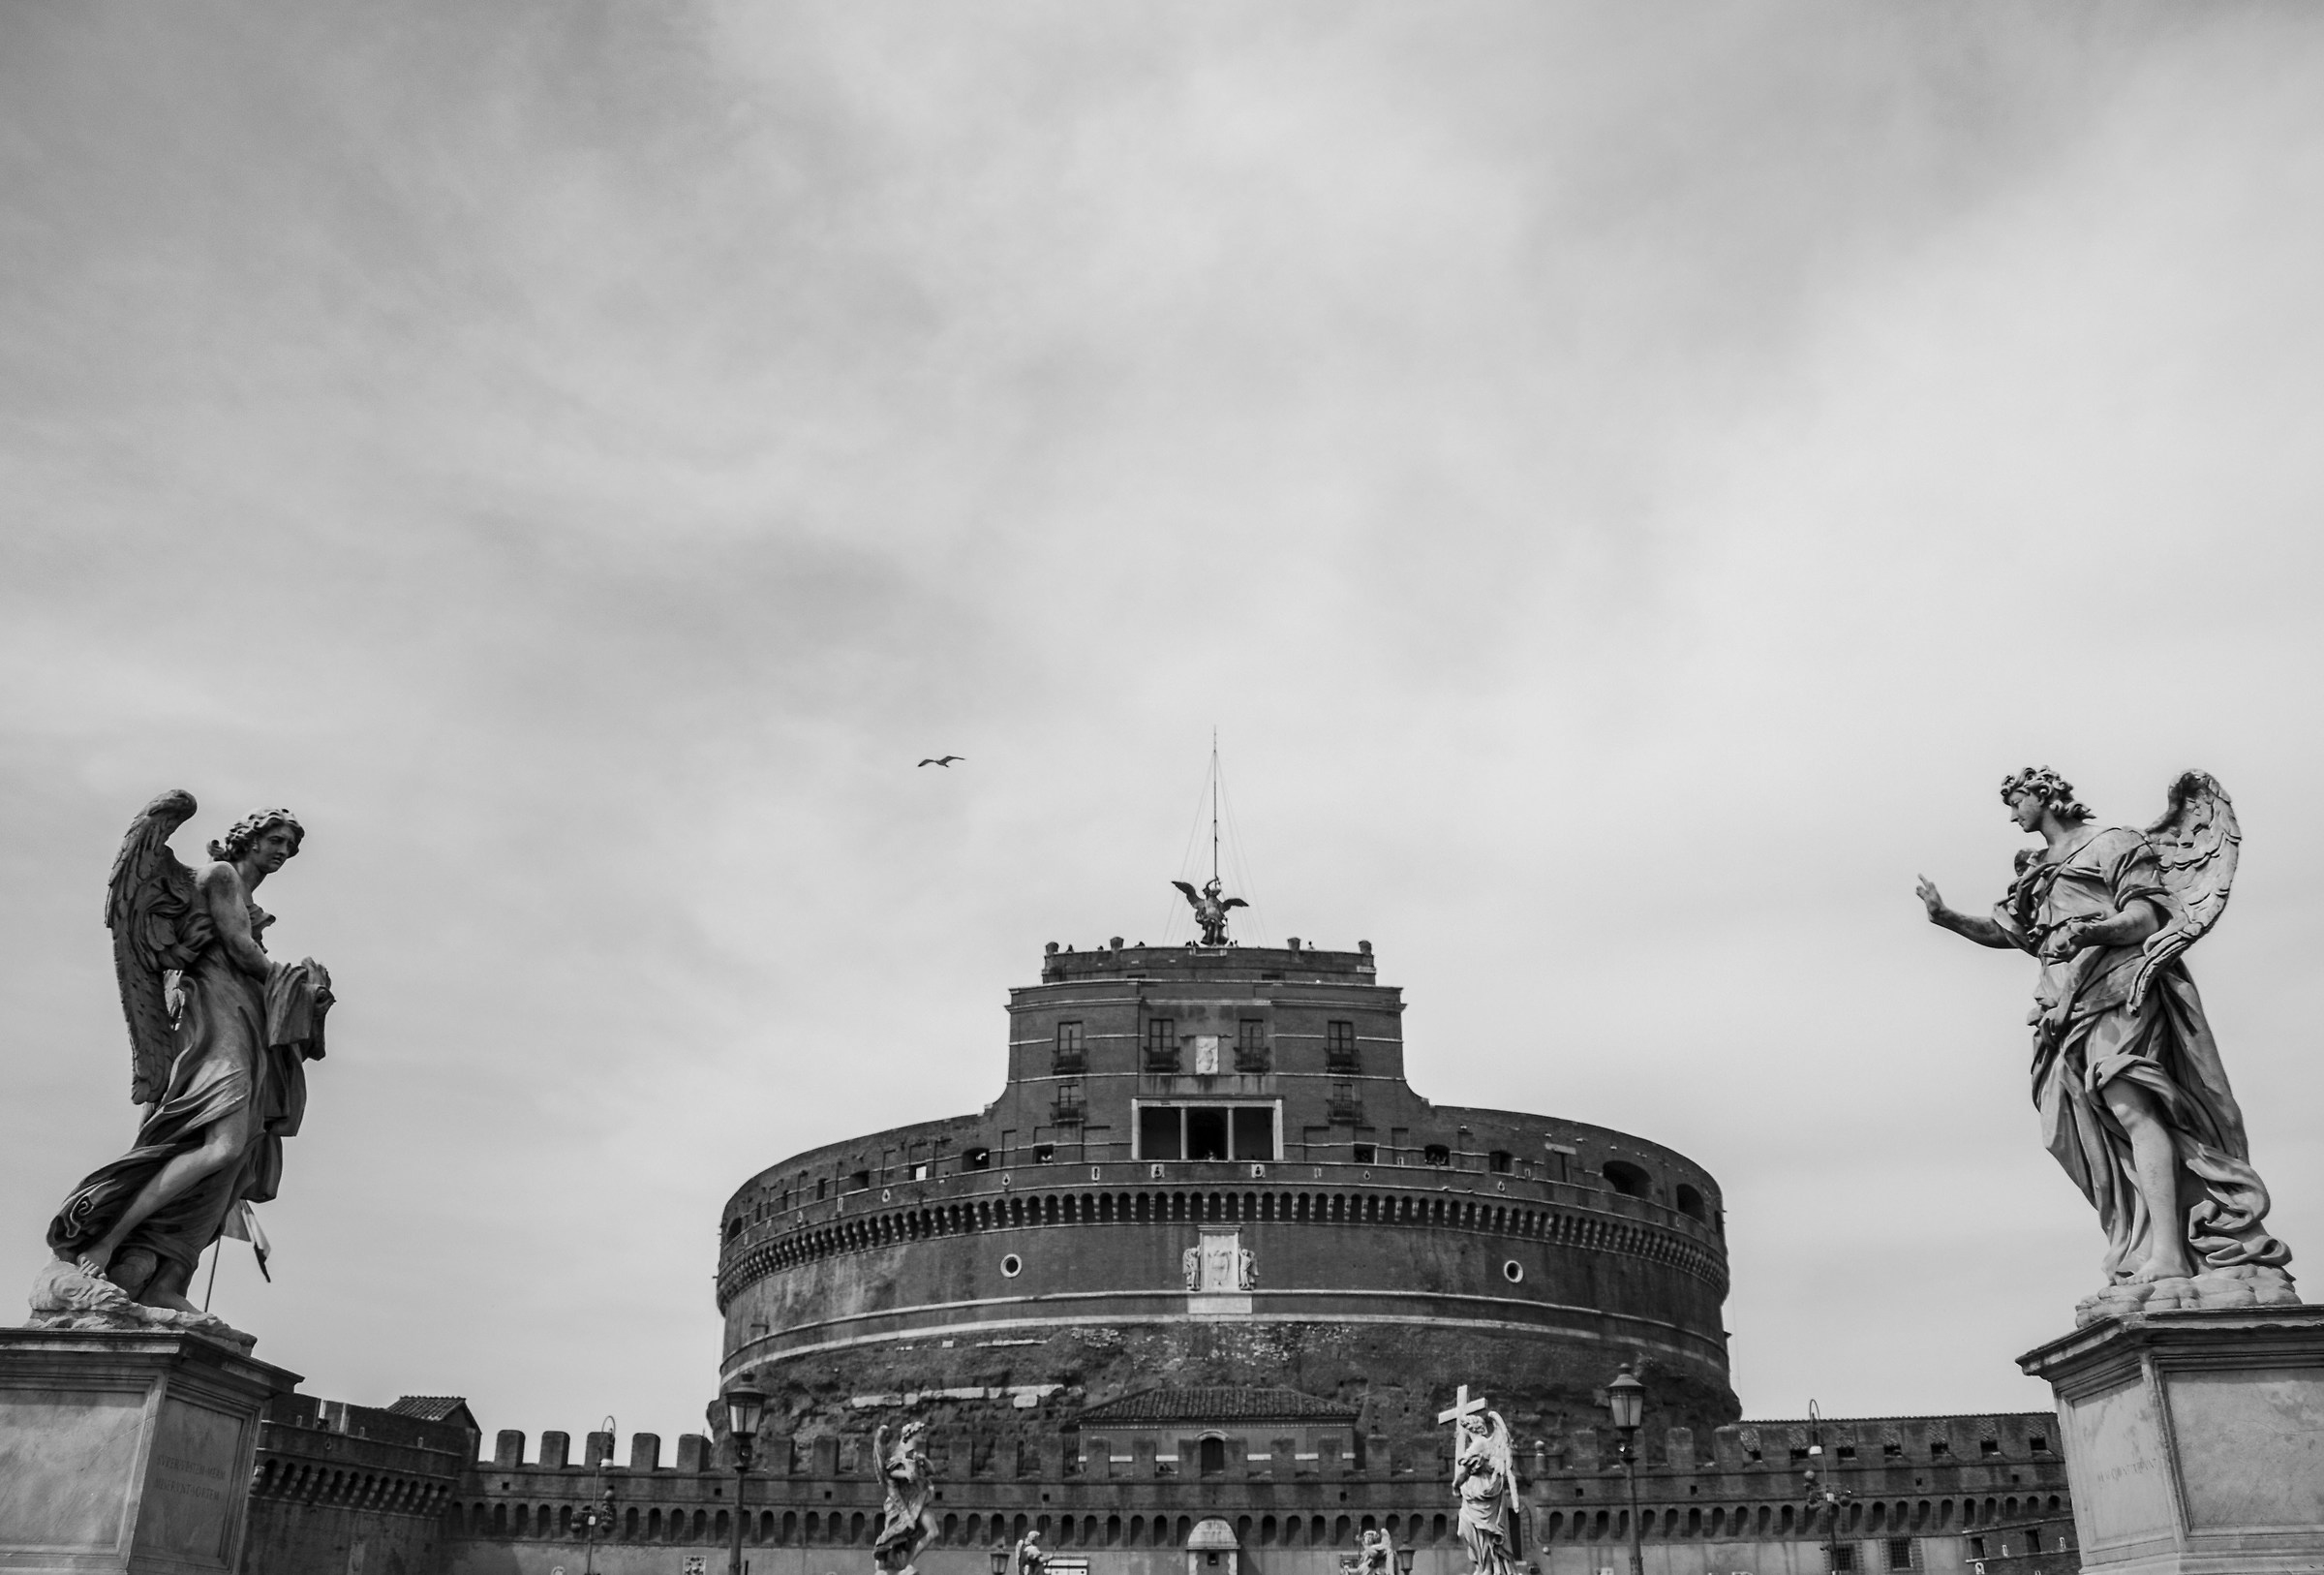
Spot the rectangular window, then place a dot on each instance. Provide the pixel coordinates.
(1158, 1133)
(1899, 1553)
(1843, 1554)
(920, 1171)
(1939, 1449)
(1977, 1547)
(1206, 1133)
(976, 1159)
(1161, 1034)
(1045, 1154)
(1845, 1452)
(1366, 1153)
(857, 1180)
(1892, 1451)
(1989, 1447)
(1254, 1132)
(2038, 1443)
(1339, 1046)
(1251, 1033)
(1498, 1161)
(1073, 1048)
(822, 1188)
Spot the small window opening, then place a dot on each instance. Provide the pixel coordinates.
(1844, 1452)
(734, 1228)
(1045, 1154)
(920, 1171)
(1436, 1154)
(1989, 1447)
(857, 1180)
(1366, 1153)
(1939, 1449)
(1892, 1451)
(1690, 1202)
(976, 1159)
(1844, 1556)
(1625, 1178)
(2038, 1443)
(1498, 1161)
(1899, 1553)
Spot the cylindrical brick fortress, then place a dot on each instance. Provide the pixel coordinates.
(1206, 1168)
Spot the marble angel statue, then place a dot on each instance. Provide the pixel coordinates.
(906, 1525)
(219, 1036)
(1484, 1476)
(2133, 1098)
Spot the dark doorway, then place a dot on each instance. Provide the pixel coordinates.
(1211, 1457)
(1207, 1133)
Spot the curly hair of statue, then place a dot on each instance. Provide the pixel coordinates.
(251, 827)
(2050, 787)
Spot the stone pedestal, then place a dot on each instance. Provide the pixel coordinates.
(126, 1452)
(2195, 1440)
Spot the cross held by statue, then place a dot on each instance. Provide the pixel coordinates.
(1462, 1406)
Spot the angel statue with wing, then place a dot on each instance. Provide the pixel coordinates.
(1211, 908)
(906, 1525)
(219, 1036)
(1484, 1476)
(2134, 1100)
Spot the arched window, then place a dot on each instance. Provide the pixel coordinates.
(1625, 1178)
(1690, 1202)
(1211, 1455)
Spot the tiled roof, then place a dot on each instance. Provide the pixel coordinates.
(429, 1408)
(1225, 1404)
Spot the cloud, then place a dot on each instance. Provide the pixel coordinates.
(1624, 484)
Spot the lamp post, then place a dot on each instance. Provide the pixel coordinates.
(1626, 1399)
(1404, 1560)
(596, 1514)
(1822, 1499)
(743, 1408)
(1000, 1562)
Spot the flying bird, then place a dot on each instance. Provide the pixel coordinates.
(944, 760)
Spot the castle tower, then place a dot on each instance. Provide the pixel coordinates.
(1206, 1170)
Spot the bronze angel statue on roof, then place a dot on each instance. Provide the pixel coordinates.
(219, 1036)
(1211, 908)
(2134, 1101)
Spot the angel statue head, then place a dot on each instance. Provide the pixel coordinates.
(251, 832)
(2038, 789)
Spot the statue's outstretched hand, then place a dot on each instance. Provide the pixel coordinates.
(1927, 893)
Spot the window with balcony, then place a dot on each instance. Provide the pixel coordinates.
(1339, 1046)
(1250, 1046)
(1073, 1047)
(1162, 1044)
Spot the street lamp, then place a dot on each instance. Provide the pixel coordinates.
(743, 1408)
(598, 1514)
(1821, 1499)
(1000, 1562)
(1626, 1399)
(1404, 1560)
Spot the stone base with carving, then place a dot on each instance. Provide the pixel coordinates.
(64, 1297)
(2245, 1286)
(127, 1450)
(2195, 1440)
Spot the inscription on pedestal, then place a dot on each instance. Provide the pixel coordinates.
(2122, 1487)
(191, 1489)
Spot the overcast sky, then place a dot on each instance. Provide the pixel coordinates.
(1624, 482)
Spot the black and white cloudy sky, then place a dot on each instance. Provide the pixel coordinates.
(1625, 481)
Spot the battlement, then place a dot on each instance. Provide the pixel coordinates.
(1293, 963)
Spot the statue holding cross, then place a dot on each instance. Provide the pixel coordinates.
(1485, 1477)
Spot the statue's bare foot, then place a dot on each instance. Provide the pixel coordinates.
(93, 1263)
(173, 1302)
(2161, 1267)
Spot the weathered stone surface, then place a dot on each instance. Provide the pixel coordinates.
(2195, 1440)
(126, 1451)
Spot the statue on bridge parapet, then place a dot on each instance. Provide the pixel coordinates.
(219, 1037)
(1485, 1479)
(2134, 1098)
(906, 1523)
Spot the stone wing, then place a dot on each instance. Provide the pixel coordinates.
(2196, 842)
(158, 924)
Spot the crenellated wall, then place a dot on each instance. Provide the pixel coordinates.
(1949, 1489)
